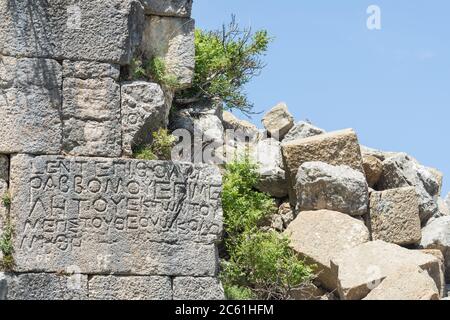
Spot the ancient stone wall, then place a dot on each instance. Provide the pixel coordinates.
(87, 222)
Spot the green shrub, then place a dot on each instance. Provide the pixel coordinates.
(152, 70)
(160, 149)
(6, 200)
(226, 60)
(260, 263)
(6, 247)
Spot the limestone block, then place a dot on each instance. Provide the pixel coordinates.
(90, 70)
(319, 236)
(361, 269)
(130, 288)
(178, 8)
(144, 111)
(30, 102)
(394, 216)
(243, 131)
(71, 29)
(373, 168)
(189, 288)
(172, 39)
(439, 255)
(335, 148)
(115, 216)
(91, 115)
(278, 121)
(43, 286)
(302, 130)
(339, 188)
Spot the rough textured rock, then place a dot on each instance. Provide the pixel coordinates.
(90, 70)
(30, 103)
(172, 39)
(439, 176)
(403, 171)
(144, 111)
(380, 155)
(362, 268)
(339, 188)
(407, 284)
(373, 168)
(278, 121)
(302, 130)
(91, 117)
(73, 30)
(335, 148)
(130, 288)
(394, 216)
(43, 286)
(178, 8)
(189, 288)
(319, 236)
(438, 254)
(270, 168)
(283, 218)
(115, 216)
(436, 235)
(242, 130)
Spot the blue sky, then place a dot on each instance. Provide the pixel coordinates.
(391, 85)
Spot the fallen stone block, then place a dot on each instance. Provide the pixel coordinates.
(242, 131)
(144, 111)
(319, 236)
(438, 254)
(339, 188)
(436, 235)
(278, 121)
(115, 216)
(335, 148)
(363, 268)
(373, 168)
(411, 283)
(43, 286)
(177, 8)
(172, 40)
(302, 130)
(190, 288)
(394, 216)
(130, 288)
(91, 114)
(30, 103)
(403, 171)
(74, 30)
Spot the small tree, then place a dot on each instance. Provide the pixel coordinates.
(225, 61)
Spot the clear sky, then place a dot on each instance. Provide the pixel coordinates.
(391, 85)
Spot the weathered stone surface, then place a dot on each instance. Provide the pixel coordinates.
(411, 283)
(278, 121)
(178, 8)
(270, 168)
(90, 70)
(189, 288)
(436, 235)
(283, 218)
(243, 131)
(30, 103)
(438, 254)
(394, 216)
(74, 30)
(439, 176)
(43, 286)
(373, 168)
(319, 236)
(130, 288)
(339, 188)
(335, 148)
(380, 155)
(115, 216)
(302, 130)
(403, 171)
(144, 111)
(91, 116)
(362, 268)
(172, 39)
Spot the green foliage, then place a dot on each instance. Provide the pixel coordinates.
(6, 200)
(154, 70)
(160, 149)
(6, 247)
(225, 61)
(261, 263)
